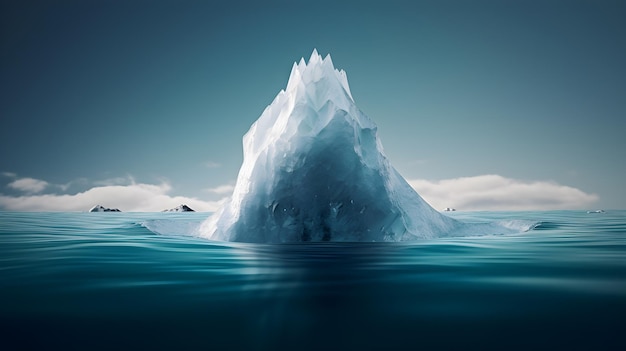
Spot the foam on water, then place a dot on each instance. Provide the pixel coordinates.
(183, 227)
(180, 227)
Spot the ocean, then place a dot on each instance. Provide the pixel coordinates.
(104, 281)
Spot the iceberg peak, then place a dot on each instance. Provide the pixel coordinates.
(316, 71)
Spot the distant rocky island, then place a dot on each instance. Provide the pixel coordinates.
(181, 208)
(100, 208)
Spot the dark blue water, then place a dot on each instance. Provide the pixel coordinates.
(89, 281)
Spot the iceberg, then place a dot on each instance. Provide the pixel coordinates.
(100, 208)
(180, 208)
(314, 170)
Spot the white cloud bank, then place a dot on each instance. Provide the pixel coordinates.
(135, 197)
(485, 192)
(29, 185)
(494, 192)
(225, 189)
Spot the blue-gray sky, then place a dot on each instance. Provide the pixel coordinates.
(96, 94)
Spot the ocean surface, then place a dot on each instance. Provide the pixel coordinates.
(86, 281)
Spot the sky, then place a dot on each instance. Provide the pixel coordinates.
(141, 105)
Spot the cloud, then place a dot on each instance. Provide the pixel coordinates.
(494, 192)
(28, 185)
(136, 197)
(128, 180)
(222, 189)
(9, 174)
(65, 187)
(485, 192)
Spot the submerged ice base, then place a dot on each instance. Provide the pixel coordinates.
(314, 170)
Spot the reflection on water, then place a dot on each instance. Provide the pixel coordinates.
(103, 282)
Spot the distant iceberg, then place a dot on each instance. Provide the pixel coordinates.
(180, 208)
(314, 170)
(100, 208)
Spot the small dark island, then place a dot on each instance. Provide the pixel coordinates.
(181, 208)
(100, 208)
